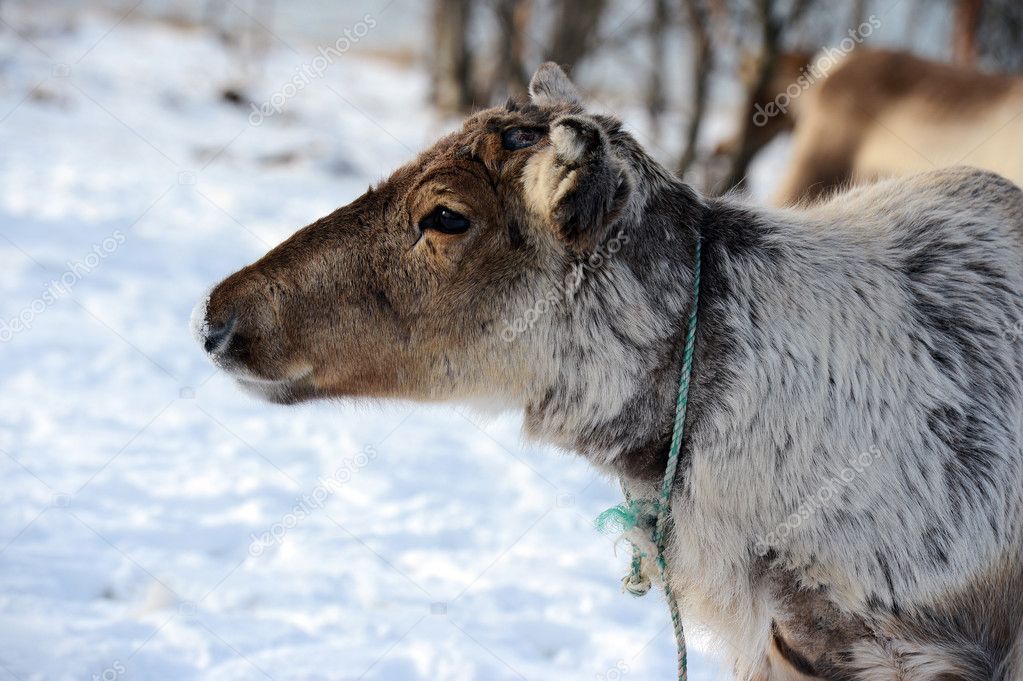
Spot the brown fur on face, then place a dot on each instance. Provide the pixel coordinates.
(363, 303)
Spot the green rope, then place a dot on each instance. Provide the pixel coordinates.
(627, 516)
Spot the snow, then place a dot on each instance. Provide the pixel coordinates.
(159, 524)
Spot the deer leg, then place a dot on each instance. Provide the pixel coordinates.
(820, 164)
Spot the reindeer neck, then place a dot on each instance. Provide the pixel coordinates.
(613, 400)
(730, 236)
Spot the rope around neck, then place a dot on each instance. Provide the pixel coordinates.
(632, 512)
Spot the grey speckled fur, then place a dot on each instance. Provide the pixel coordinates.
(878, 322)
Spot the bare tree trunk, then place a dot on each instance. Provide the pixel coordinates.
(656, 102)
(964, 32)
(772, 29)
(770, 36)
(574, 32)
(999, 38)
(698, 18)
(451, 84)
(514, 18)
(858, 14)
(718, 12)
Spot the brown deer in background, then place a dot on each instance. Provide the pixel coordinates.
(882, 113)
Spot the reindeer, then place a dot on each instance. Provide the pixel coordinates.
(880, 113)
(873, 324)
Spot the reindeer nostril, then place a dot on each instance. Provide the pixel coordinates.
(218, 336)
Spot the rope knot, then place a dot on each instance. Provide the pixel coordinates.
(636, 584)
(627, 516)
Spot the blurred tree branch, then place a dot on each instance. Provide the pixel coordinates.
(656, 98)
(772, 24)
(574, 31)
(999, 38)
(514, 18)
(451, 84)
(964, 31)
(858, 13)
(698, 22)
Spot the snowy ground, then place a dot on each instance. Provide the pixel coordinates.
(158, 524)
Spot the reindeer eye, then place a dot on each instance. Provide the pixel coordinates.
(514, 139)
(444, 220)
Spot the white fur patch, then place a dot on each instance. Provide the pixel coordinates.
(197, 322)
(545, 182)
(567, 144)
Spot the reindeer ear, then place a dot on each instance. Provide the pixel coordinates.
(577, 183)
(551, 87)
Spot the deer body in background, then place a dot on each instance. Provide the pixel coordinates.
(879, 113)
(857, 347)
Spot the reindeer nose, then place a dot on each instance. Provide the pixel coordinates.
(218, 336)
(214, 335)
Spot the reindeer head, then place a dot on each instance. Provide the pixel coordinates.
(409, 291)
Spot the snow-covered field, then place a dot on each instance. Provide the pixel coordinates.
(157, 523)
